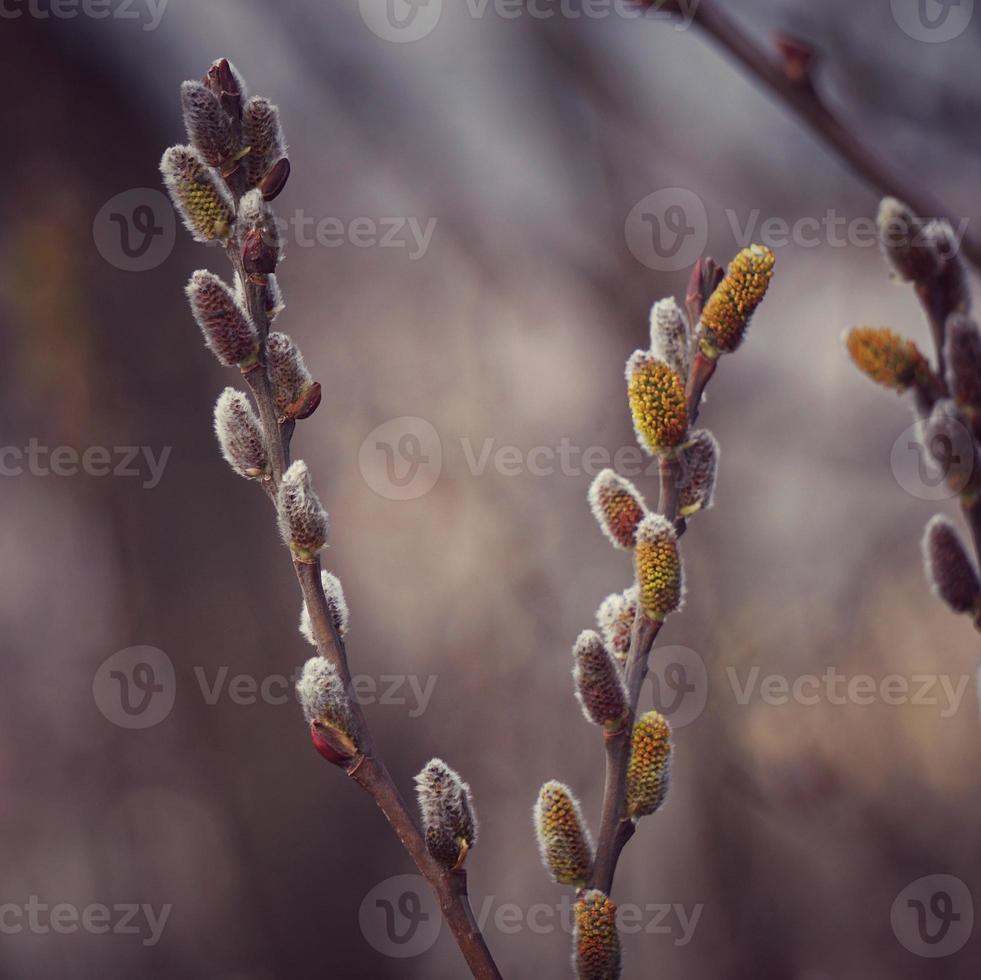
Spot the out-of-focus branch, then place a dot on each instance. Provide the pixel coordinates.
(789, 75)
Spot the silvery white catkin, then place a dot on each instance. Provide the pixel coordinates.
(448, 817)
(228, 330)
(240, 434)
(209, 129)
(302, 519)
(336, 606)
(670, 335)
(288, 374)
(263, 135)
(699, 468)
(615, 618)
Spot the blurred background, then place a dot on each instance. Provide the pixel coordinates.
(470, 254)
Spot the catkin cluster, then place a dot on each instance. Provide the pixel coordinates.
(946, 395)
(664, 389)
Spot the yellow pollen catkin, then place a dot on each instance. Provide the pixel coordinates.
(658, 404)
(728, 310)
(597, 943)
(884, 356)
(650, 765)
(657, 563)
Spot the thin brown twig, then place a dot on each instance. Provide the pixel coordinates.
(616, 827)
(368, 771)
(793, 83)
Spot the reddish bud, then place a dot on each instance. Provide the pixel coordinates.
(273, 183)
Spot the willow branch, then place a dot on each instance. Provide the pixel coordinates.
(791, 80)
(616, 827)
(368, 771)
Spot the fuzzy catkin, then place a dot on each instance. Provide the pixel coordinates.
(615, 618)
(327, 707)
(660, 577)
(263, 135)
(596, 940)
(240, 435)
(209, 129)
(729, 309)
(336, 607)
(288, 374)
(229, 332)
(618, 508)
(949, 570)
(658, 405)
(303, 521)
(448, 816)
(670, 336)
(198, 195)
(599, 682)
(885, 357)
(649, 770)
(563, 839)
(699, 467)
